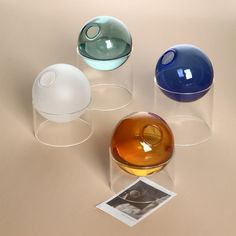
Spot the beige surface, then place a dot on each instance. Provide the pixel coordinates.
(53, 192)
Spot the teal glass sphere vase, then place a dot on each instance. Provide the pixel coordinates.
(104, 54)
(104, 43)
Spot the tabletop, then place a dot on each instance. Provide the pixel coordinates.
(53, 191)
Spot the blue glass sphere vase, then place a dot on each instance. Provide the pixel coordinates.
(183, 87)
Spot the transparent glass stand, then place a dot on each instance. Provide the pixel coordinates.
(74, 130)
(119, 179)
(190, 122)
(111, 89)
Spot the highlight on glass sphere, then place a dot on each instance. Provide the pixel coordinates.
(184, 73)
(104, 43)
(61, 93)
(142, 143)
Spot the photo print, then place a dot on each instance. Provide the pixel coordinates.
(137, 201)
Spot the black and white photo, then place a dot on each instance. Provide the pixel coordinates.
(136, 201)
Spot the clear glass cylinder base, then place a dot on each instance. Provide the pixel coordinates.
(120, 179)
(190, 122)
(110, 89)
(55, 133)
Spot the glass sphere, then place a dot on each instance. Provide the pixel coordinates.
(104, 43)
(142, 143)
(184, 73)
(61, 93)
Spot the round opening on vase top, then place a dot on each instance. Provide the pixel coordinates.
(168, 57)
(184, 73)
(61, 93)
(104, 43)
(142, 143)
(92, 31)
(47, 78)
(151, 134)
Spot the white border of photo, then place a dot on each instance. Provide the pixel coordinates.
(127, 219)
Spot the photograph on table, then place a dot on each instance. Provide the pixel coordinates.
(137, 201)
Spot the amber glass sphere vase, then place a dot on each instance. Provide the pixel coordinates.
(142, 143)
